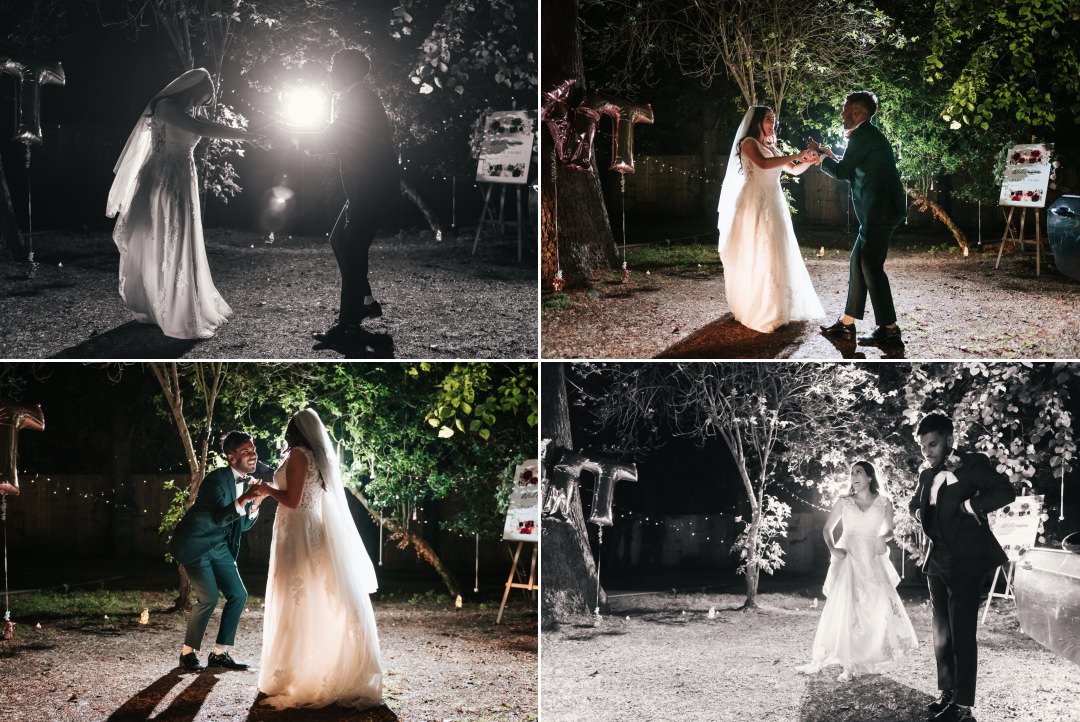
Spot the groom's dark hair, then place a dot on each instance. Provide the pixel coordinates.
(233, 440)
(935, 421)
(353, 61)
(866, 99)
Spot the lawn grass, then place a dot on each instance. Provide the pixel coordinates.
(679, 256)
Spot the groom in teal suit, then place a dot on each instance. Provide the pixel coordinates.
(207, 541)
(877, 193)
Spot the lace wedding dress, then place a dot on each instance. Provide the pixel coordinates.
(320, 645)
(164, 275)
(765, 279)
(863, 626)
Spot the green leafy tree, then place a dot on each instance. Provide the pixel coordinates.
(1015, 57)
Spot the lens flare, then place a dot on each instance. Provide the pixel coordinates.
(306, 107)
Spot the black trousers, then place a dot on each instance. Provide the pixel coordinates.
(866, 274)
(351, 240)
(955, 602)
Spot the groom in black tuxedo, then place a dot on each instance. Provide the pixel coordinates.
(956, 491)
(877, 193)
(360, 137)
(207, 542)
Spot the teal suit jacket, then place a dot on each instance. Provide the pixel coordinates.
(870, 167)
(211, 520)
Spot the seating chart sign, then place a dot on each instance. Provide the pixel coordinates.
(1016, 526)
(506, 148)
(1027, 176)
(523, 514)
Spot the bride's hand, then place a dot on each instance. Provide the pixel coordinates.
(881, 547)
(839, 554)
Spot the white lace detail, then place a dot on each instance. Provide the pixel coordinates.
(765, 278)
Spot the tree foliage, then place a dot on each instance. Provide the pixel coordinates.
(1015, 57)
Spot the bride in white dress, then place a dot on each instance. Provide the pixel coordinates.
(320, 645)
(765, 278)
(863, 626)
(164, 275)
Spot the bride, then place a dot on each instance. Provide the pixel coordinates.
(863, 627)
(320, 645)
(164, 276)
(765, 279)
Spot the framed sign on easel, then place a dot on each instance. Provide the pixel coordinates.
(1016, 527)
(1027, 176)
(523, 526)
(505, 156)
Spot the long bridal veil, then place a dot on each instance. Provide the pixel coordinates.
(734, 180)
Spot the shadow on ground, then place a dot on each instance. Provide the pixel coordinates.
(866, 699)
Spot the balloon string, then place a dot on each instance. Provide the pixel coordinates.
(1061, 509)
(476, 581)
(30, 216)
(599, 559)
(3, 517)
(380, 538)
(622, 187)
(555, 185)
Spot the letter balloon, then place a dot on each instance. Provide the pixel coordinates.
(30, 76)
(15, 416)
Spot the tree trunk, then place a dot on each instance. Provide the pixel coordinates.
(404, 537)
(753, 569)
(578, 240)
(570, 586)
(924, 204)
(409, 192)
(10, 237)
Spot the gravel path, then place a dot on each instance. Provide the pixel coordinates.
(949, 307)
(439, 301)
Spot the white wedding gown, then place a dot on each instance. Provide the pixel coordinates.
(765, 278)
(164, 275)
(320, 645)
(863, 626)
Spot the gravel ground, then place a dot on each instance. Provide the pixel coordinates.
(948, 307)
(439, 301)
(660, 657)
(441, 664)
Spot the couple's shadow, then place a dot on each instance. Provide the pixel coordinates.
(185, 707)
(873, 698)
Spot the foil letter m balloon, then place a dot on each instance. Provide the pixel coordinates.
(607, 474)
(15, 416)
(30, 76)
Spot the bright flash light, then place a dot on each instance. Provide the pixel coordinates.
(306, 108)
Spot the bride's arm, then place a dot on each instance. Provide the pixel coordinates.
(295, 473)
(890, 525)
(798, 169)
(830, 525)
(172, 114)
(752, 151)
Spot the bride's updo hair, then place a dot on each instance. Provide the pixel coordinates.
(295, 437)
(871, 471)
(754, 129)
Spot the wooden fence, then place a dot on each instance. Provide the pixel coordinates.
(685, 185)
(84, 517)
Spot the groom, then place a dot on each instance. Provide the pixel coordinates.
(207, 541)
(360, 137)
(956, 491)
(880, 206)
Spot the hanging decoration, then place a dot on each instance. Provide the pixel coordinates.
(476, 578)
(571, 115)
(30, 75)
(13, 417)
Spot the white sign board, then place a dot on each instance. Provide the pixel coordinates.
(506, 148)
(1027, 175)
(523, 514)
(1016, 526)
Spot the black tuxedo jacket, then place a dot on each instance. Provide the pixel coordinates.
(963, 543)
(212, 519)
(869, 165)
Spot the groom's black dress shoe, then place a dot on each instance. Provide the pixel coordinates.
(191, 663)
(941, 702)
(342, 332)
(880, 336)
(371, 310)
(953, 713)
(224, 660)
(839, 329)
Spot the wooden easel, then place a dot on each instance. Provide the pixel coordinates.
(489, 213)
(1007, 594)
(532, 584)
(1011, 235)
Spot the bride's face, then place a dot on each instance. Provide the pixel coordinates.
(860, 480)
(768, 125)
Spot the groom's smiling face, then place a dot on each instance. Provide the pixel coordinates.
(935, 446)
(243, 458)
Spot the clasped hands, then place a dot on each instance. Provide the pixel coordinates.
(256, 493)
(811, 156)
